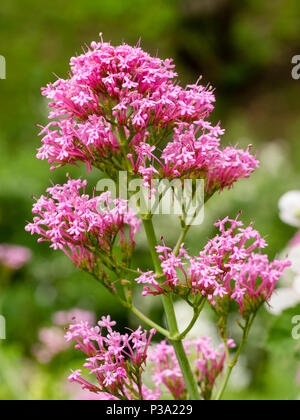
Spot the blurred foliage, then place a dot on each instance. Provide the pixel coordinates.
(244, 49)
(280, 340)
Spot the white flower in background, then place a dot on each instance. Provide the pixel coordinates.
(296, 285)
(273, 156)
(288, 295)
(241, 375)
(293, 254)
(282, 299)
(289, 206)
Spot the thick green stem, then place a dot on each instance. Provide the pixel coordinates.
(191, 384)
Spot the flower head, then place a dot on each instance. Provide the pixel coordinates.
(116, 97)
(84, 228)
(230, 267)
(207, 365)
(115, 360)
(194, 153)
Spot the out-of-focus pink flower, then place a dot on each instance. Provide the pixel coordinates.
(115, 360)
(14, 256)
(288, 294)
(207, 366)
(52, 339)
(77, 224)
(295, 241)
(63, 318)
(84, 395)
(52, 343)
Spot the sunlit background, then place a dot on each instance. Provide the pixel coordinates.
(244, 49)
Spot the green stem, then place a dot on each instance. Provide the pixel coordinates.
(128, 270)
(127, 303)
(151, 237)
(181, 239)
(197, 312)
(225, 383)
(232, 364)
(171, 318)
(143, 317)
(148, 321)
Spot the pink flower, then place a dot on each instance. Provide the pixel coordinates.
(207, 365)
(14, 256)
(295, 241)
(149, 278)
(77, 224)
(195, 152)
(106, 323)
(115, 360)
(52, 342)
(227, 268)
(62, 318)
(120, 103)
(115, 92)
(52, 339)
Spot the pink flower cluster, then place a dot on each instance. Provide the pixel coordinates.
(208, 364)
(115, 360)
(120, 102)
(227, 268)
(195, 153)
(78, 224)
(115, 92)
(14, 256)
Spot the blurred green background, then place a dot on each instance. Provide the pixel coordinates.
(244, 49)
